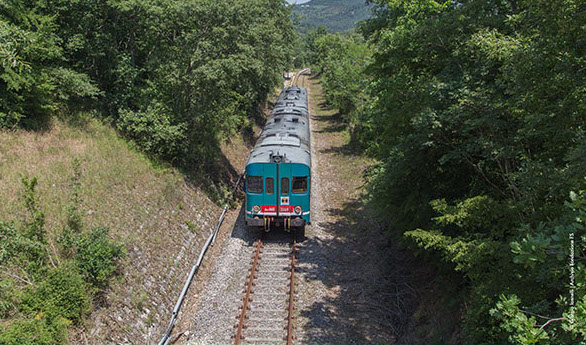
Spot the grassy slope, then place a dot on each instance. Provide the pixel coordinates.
(336, 15)
(156, 212)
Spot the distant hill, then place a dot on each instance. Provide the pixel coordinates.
(336, 15)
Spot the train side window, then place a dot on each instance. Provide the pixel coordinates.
(299, 184)
(270, 182)
(254, 184)
(285, 185)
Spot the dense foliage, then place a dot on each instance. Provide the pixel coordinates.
(340, 61)
(175, 76)
(476, 111)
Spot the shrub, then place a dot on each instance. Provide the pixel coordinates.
(9, 297)
(63, 294)
(34, 226)
(38, 330)
(29, 254)
(97, 256)
(152, 130)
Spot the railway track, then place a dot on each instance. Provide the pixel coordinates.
(266, 314)
(299, 78)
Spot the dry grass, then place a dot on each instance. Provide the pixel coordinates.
(162, 219)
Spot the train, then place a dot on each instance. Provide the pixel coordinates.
(278, 171)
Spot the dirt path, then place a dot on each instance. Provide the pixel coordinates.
(341, 284)
(339, 263)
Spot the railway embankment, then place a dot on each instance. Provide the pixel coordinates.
(160, 216)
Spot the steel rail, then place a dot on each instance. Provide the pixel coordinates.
(291, 296)
(250, 284)
(243, 317)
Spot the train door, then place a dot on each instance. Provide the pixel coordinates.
(270, 195)
(284, 189)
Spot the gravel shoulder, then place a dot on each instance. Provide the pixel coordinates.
(340, 264)
(342, 286)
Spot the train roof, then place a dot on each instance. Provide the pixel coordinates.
(292, 92)
(285, 137)
(291, 126)
(291, 103)
(291, 110)
(293, 96)
(280, 153)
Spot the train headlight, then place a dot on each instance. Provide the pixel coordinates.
(298, 209)
(256, 209)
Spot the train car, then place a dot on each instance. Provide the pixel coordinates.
(278, 171)
(293, 96)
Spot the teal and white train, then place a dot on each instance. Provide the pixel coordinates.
(278, 171)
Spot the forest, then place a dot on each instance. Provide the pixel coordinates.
(173, 76)
(476, 113)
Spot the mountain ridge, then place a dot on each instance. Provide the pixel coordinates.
(335, 15)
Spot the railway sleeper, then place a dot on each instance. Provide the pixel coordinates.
(274, 265)
(253, 329)
(284, 270)
(265, 319)
(277, 253)
(266, 310)
(267, 305)
(270, 298)
(264, 287)
(263, 340)
(273, 275)
(271, 279)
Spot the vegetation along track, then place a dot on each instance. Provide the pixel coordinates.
(266, 314)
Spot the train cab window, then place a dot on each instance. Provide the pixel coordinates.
(299, 184)
(254, 184)
(285, 185)
(270, 185)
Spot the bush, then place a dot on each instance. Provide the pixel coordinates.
(97, 256)
(55, 297)
(39, 330)
(15, 248)
(63, 294)
(152, 131)
(9, 297)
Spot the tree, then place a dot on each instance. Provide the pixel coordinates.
(475, 111)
